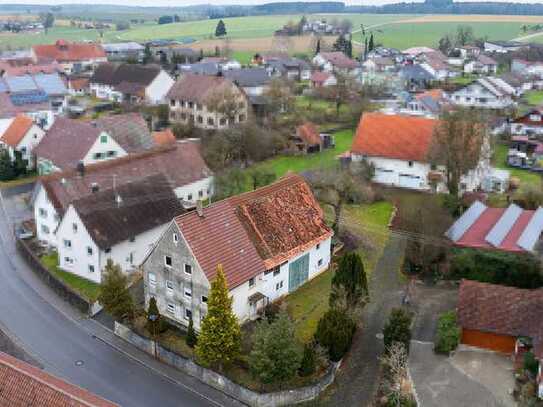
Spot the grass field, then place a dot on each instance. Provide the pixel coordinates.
(254, 33)
(534, 97)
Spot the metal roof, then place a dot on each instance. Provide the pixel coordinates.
(51, 84)
(457, 230)
(20, 83)
(500, 230)
(532, 232)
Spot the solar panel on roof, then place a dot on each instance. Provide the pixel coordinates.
(50, 83)
(503, 225)
(532, 232)
(26, 98)
(461, 226)
(21, 83)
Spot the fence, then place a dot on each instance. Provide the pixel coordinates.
(59, 286)
(219, 382)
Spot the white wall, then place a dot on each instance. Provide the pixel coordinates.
(104, 148)
(267, 284)
(127, 254)
(31, 139)
(477, 96)
(191, 192)
(47, 223)
(156, 91)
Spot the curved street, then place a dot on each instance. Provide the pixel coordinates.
(57, 337)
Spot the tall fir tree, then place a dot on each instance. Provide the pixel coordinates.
(276, 355)
(114, 294)
(318, 47)
(349, 48)
(191, 338)
(365, 48)
(219, 342)
(371, 44)
(220, 31)
(350, 275)
(7, 172)
(153, 317)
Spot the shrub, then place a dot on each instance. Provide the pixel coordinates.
(335, 332)
(530, 363)
(448, 333)
(398, 329)
(271, 310)
(309, 360)
(516, 270)
(191, 338)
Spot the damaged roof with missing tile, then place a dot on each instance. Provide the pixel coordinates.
(112, 216)
(502, 310)
(255, 231)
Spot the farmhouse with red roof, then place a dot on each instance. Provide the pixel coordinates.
(269, 242)
(74, 57)
(398, 147)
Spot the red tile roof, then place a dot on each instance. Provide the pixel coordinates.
(24, 385)
(164, 137)
(63, 51)
(18, 128)
(502, 310)
(309, 133)
(255, 231)
(31, 69)
(394, 136)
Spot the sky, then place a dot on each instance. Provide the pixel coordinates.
(173, 3)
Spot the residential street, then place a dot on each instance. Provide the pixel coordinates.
(58, 338)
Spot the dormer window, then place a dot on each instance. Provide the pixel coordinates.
(103, 139)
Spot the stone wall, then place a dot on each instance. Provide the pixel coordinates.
(219, 382)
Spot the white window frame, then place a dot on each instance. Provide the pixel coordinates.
(169, 287)
(152, 279)
(171, 308)
(185, 269)
(166, 262)
(187, 292)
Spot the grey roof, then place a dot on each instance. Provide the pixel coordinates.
(200, 68)
(248, 77)
(416, 73)
(531, 234)
(123, 47)
(430, 103)
(457, 230)
(20, 83)
(503, 226)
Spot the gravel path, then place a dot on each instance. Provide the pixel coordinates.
(358, 379)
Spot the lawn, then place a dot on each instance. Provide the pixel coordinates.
(307, 304)
(525, 177)
(86, 288)
(300, 163)
(243, 57)
(534, 97)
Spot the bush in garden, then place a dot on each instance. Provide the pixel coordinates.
(335, 332)
(448, 333)
(309, 360)
(191, 338)
(398, 329)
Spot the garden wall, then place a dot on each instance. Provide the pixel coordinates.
(62, 289)
(219, 382)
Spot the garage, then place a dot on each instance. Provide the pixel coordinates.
(409, 181)
(488, 340)
(384, 176)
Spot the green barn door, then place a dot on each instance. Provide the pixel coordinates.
(298, 272)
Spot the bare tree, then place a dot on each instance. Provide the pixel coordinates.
(459, 142)
(280, 96)
(398, 386)
(227, 101)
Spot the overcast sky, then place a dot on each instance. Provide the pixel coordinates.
(215, 2)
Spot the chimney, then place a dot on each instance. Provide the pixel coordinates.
(94, 187)
(200, 208)
(81, 168)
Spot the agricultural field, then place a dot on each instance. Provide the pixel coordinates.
(251, 34)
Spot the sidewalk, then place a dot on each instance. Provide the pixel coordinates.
(104, 334)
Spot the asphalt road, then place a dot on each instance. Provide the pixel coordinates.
(57, 341)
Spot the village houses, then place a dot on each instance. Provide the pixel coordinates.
(75, 57)
(70, 143)
(19, 136)
(181, 163)
(130, 83)
(269, 242)
(201, 100)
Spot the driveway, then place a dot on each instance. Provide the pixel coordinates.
(469, 378)
(357, 381)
